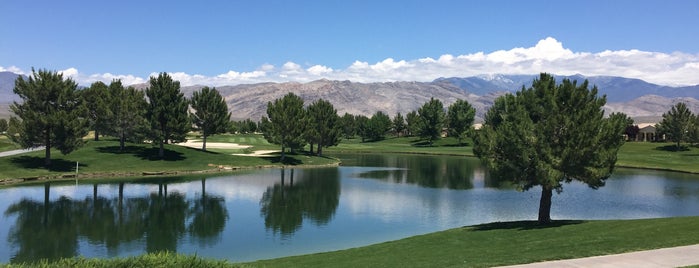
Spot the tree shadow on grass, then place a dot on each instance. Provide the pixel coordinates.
(36, 162)
(421, 143)
(288, 160)
(523, 225)
(672, 148)
(145, 153)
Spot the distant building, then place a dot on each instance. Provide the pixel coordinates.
(648, 132)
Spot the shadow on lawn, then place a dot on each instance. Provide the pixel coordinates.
(523, 225)
(37, 162)
(672, 148)
(145, 153)
(426, 143)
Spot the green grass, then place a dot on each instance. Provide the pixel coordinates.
(658, 156)
(474, 246)
(104, 159)
(508, 243)
(7, 145)
(413, 145)
(163, 259)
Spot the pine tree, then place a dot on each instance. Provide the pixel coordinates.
(97, 99)
(324, 124)
(431, 122)
(549, 134)
(412, 120)
(167, 111)
(676, 124)
(211, 114)
(127, 120)
(460, 117)
(51, 113)
(398, 124)
(285, 128)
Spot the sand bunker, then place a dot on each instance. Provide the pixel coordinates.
(214, 145)
(225, 145)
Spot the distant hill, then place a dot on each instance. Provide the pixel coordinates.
(617, 89)
(7, 84)
(634, 97)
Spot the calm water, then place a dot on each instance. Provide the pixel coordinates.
(271, 213)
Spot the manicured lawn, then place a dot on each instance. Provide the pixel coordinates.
(412, 145)
(508, 243)
(104, 158)
(658, 156)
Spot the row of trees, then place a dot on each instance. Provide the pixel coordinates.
(292, 126)
(56, 114)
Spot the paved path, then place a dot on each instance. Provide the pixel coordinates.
(665, 257)
(20, 151)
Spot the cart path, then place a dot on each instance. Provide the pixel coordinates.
(664, 257)
(20, 151)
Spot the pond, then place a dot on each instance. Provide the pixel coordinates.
(260, 214)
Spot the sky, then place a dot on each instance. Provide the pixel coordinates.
(232, 42)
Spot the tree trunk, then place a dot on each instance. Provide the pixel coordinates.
(47, 144)
(161, 151)
(282, 158)
(97, 135)
(122, 138)
(203, 145)
(311, 148)
(545, 205)
(320, 150)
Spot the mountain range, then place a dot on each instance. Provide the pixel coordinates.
(637, 98)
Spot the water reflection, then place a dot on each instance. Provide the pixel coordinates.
(314, 195)
(459, 173)
(260, 214)
(52, 229)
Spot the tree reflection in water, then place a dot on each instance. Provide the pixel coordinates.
(315, 196)
(433, 172)
(52, 229)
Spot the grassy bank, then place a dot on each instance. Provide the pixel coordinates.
(412, 145)
(509, 243)
(658, 156)
(103, 158)
(475, 246)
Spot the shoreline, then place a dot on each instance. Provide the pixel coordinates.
(220, 169)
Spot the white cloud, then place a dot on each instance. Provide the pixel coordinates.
(319, 70)
(547, 55)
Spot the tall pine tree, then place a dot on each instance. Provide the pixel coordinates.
(431, 116)
(286, 117)
(167, 111)
(324, 124)
(211, 114)
(460, 117)
(548, 135)
(677, 124)
(127, 120)
(51, 111)
(97, 101)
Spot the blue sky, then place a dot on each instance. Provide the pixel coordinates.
(228, 42)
